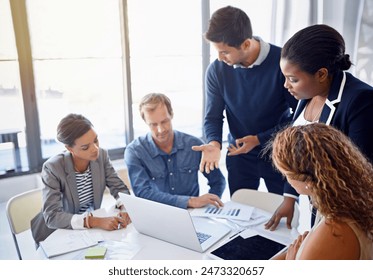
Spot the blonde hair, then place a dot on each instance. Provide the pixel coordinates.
(151, 101)
(340, 177)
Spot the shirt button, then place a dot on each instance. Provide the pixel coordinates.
(171, 174)
(172, 188)
(153, 178)
(169, 160)
(190, 171)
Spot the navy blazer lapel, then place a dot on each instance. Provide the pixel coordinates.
(300, 107)
(334, 97)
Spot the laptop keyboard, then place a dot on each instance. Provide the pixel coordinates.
(202, 237)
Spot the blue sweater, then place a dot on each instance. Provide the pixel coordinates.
(254, 99)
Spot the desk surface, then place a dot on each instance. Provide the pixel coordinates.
(142, 247)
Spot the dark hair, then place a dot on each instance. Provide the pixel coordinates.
(317, 46)
(71, 128)
(151, 101)
(230, 26)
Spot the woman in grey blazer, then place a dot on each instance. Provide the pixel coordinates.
(75, 181)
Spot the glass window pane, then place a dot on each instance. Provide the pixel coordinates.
(165, 48)
(70, 28)
(7, 41)
(78, 67)
(364, 64)
(13, 153)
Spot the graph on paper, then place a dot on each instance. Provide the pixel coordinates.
(230, 210)
(234, 212)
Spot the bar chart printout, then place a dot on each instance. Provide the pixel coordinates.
(230, 210)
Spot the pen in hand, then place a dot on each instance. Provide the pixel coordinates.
(119, 223)
(123, 220)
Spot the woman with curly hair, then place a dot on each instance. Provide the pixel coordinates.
(322, 162)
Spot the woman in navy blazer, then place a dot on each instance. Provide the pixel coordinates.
(313, 62)
(75, 181)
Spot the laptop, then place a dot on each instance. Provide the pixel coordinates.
(173, 224)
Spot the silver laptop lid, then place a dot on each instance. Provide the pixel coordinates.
(169, 223)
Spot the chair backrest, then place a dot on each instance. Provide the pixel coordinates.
(20, 210)
(123, 174)
(263, 200)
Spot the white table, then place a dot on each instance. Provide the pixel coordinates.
(149, 248)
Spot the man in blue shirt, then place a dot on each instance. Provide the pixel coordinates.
(162, 166)
(246, 82)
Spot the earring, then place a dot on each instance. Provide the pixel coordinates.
(307, 187)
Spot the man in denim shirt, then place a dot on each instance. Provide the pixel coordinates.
(162, 166)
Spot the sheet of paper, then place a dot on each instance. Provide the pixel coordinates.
(231, 210)
(282, 234)
(120, 250)
(63, 241)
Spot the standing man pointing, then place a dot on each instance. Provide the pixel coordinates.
(245, 81)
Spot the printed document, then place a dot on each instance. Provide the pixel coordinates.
(231, 210)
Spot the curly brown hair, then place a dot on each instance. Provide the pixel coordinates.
(340, 177)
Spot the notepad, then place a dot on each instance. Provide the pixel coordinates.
(97, 252)
(63, 241)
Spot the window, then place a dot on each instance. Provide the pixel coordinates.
(364, 59)
(166, 57)
(77, 58)
(66, 56)
(12, 118)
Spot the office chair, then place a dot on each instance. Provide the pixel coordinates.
(263, 200)
(123, 174)
(20, 210)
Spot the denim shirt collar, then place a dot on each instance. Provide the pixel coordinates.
(155, 151)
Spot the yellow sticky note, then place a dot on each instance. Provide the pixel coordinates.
(97, 252)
